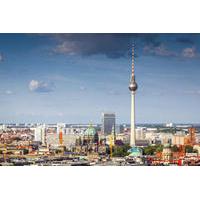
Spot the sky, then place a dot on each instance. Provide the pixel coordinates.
(73, 78)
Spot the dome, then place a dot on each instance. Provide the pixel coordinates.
(91, 131)
(135, 151)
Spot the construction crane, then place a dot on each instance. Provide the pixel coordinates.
(60, 138)
(61, 142)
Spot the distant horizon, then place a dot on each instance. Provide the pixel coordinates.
(121, 123)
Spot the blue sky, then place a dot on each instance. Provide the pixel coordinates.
(72, 78)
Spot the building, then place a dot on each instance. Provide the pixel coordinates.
(169, 125)
(69, 140)
(140, 133)
(166, 153)
(178, 140)
(108, 122)
(40, 134)
(60, 127)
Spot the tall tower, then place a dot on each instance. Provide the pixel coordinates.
(133, 87)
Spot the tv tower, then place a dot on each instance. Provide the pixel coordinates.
(133, 87)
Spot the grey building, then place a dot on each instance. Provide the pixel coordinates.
(108, 123)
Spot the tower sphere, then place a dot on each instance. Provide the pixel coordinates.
(133, 86)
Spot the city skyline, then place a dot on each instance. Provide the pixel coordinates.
(73, 78)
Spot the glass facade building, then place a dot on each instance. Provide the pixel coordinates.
(108, 123)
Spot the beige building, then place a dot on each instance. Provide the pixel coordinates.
(178, 140)
(68, 140)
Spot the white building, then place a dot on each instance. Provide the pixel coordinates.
(140, 133)
(60, 127)
(169, 124)
(40, 134)
(3, 127)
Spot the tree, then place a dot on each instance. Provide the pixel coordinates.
(25, 151)
(159, 148)
(151, 150)
(121, 151)
(175, 148)
(189, 149)
(119, 142)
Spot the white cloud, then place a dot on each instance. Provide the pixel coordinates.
(41, 86)
(160, 50)
(8, 92)
(82, 88)
(66, 47)
(189, 52)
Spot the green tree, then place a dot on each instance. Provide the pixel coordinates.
(151, 150)
(159, 148)
(175, 148)
(121, 151)
(188, 149)
(25, 151)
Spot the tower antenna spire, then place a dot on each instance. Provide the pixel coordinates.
(133, 68)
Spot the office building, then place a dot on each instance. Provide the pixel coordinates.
(108, 123)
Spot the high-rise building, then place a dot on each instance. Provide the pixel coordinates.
(133, 87)
(40, 134)
(108, 122)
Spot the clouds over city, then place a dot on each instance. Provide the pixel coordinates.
(118, 45)
(190, 52)
(163, 51)
(41, 86)
(110, 45)
(160, 50)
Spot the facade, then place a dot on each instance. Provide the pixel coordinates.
(140, 133)
(40, 134)
(69, 140)
(60, 127)
(166, 153)
(108, 122)
(178, 140)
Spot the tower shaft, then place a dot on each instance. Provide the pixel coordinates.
(132, 136)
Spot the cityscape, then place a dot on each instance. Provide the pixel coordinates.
(39, 127)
